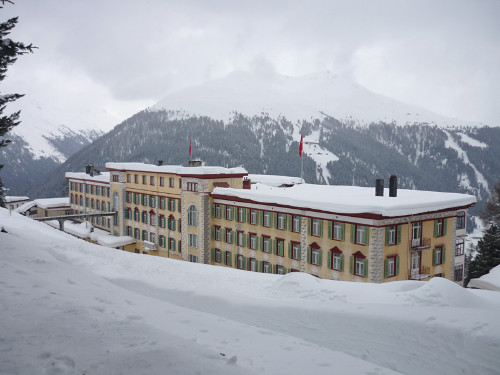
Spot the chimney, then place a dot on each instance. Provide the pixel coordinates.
(160, 162)
(379, 187)
(194, 163)
(89, 169)
(247, 183)
(393, 186)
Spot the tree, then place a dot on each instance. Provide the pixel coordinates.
(491, 213)
(487, 256)
(9, 51)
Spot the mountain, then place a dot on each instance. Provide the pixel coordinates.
(297, 98)
(247, 120)
(46, 137)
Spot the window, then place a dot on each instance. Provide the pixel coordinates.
(192, 216)
(136, 214)
(229, 236)
(171, 223)
(281, 221)
(459, 272)
(151, 180)
(438, 255)
(316, 227)
(162, 241)
(218, 211)
(144, 217)
(116, 201)
(152, 218)
(241, 238)
(145, 235)
(461, 220)
(171, 182)
(217, 255)
(252, 265)
(359, 234)
(391, 266)
(280, 270)
(162, 203)
(459, 247)
(136, 179)
(92, 204)
(336, 259)
(314, 255)
(152, 201)
(116, 178)
(229, 212)
(145, 199)
(392, 235)
(217, 233)
(129, 178)
(239, 262)
(280, 247)
(359, 264)
(144, 179)
(152, 237)
(241, 214)
(253, 217)
(227, 258)
(192, 186)
(253, 241)
(296, 224)
(171, 204)
(266, 267)
(267, 219)
(137, 234)
(266, 244)
(439, 227)
(338, 231)
(193, 258)
(295, 250)
(171, 244)
(161, 222)
(193, 240)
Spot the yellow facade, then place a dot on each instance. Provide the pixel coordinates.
(91, 196)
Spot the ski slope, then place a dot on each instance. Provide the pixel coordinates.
(71, 307)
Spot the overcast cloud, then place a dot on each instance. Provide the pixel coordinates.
(125, 55)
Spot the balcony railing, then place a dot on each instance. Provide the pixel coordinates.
(150, 246)
(422, 273)
(420, 244)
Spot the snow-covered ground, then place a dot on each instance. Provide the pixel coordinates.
(71, 307)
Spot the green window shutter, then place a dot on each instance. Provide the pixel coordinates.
(309, 254)
(320, 228)
(341, 262)
(173, 223)
(212, 255)
(435, 228)
(397, 265)
(351, 265)
(386, 268)
(179, 225)
(320, 257)
(247, 240)
(179, 206)
(300, 252)
(223, 257)
(443, 255)
(244, 265)
(212, 231)
(309, 226)
(274, 250)
(342, 231)
(329, 265)
(168, 203)
(275, 220)
(365, 267)
(233, 237)
(398, 234)
(289, 221)
(433, 257)
(236, 260)
(173, 204)
(386, 237)
(290, 250)
(235, 213)
(175, 245)
(223, 234)
(261, 243)
(353, 233)
(261, 217)
(247, 214)
(367, 235)
(444, 227)
(330, 236)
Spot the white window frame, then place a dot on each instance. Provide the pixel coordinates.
(253, 241)
(392, 235)
(359, 267)
(266, 244)
(253, 217)
(192, 216)
(315, 256)
(360, 234)
(295, 250)
(281, 221)
(193, 240)
(229, 212)
(241, 214)
(337, 230)
(267, 219)
(315, 227)
(296, 224)
(336, 261)
(193, 258)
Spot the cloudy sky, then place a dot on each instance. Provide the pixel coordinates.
(124, 55)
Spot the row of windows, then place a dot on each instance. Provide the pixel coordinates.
(164, 242)
(90, 203)
(151, 180)
(150, 218)
(101, 221)
(163, 203)
(90, 189)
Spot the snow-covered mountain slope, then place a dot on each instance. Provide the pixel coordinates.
(297, 98)
(72, 307)
(40, 123)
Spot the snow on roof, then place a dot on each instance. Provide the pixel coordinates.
(114, 241)
(351, 199)
(274, 180)
(10, 199)
(25, 207)
(52, 202)
(176, 169)
(103, 177)
(490, 281)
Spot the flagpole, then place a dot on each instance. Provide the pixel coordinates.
(301, 147)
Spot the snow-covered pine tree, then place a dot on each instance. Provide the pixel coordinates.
(9, 51)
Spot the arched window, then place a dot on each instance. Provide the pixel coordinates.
(193, 216)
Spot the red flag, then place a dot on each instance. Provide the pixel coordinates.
(300, 146)
(189, 148)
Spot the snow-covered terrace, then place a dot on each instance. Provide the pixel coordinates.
(103, 177)
(49, 203)
(349, 199)
(274, 180)
(12, 199)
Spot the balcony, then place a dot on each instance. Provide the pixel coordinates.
(423, 273)
(420, 244)
(150, 246)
